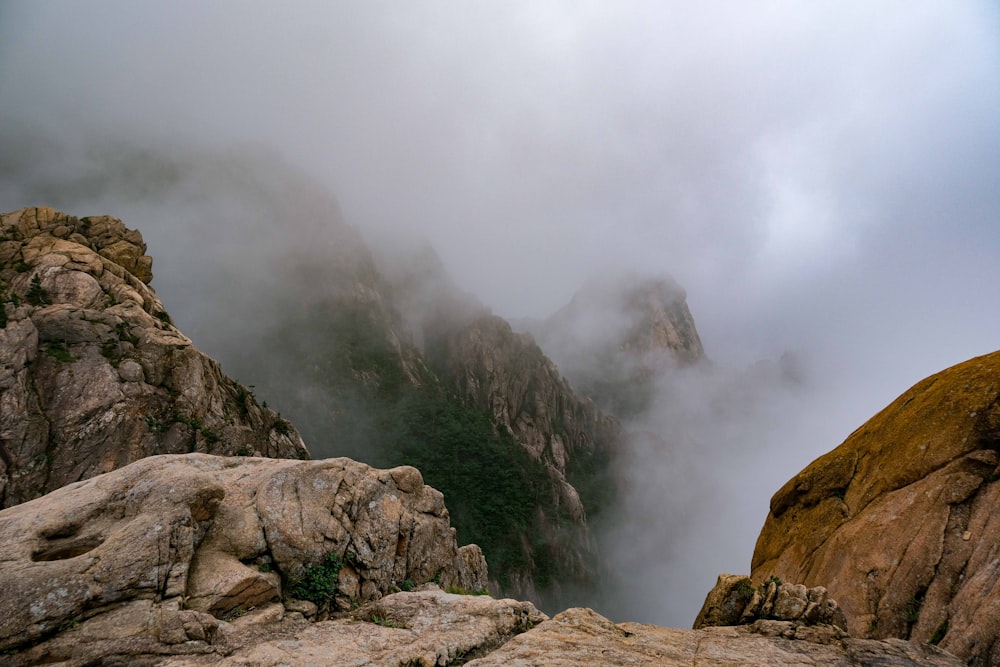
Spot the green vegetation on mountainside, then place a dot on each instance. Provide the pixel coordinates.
(351, 390)
(492, 487)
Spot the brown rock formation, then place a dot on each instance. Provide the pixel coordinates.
(900, 521)
(736, 601)
(147, 559)
(93, 375)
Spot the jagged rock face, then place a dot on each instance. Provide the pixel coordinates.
(736, 601)
(900, 521)
(508, 376)
(612, 339)
(147, 559)
(93, 375)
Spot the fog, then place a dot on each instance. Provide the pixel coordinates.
(821, 178)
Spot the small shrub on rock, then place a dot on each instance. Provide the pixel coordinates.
(318, 584)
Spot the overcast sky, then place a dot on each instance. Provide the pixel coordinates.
(822, 177)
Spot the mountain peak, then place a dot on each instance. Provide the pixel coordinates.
(617, 334)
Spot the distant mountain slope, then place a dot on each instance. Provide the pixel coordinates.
(93, 374)
(447, 388)
(615, 337)
(506, 376)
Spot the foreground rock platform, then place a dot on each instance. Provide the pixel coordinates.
(206, 560)
(151, 558)
(583, 637)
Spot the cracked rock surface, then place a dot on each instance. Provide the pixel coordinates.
(153, 558)
(93, 374)
(736, 601)
(900, 522)
(583, 637)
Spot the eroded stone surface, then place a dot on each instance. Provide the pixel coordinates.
(735, 600)
(93, 375)
(900, 521)
(422, 628)
(181, 541)
(583, 637)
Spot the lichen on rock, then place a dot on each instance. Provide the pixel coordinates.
(899, 522)
(735, 600)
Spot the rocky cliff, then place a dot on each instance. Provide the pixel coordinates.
(147, 559)
(93, 374)
(507, 376)
(900, 521)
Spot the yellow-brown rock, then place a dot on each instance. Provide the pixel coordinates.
(900, 521)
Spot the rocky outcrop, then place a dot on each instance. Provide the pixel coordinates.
(151, 559)
(647, 316)
(900, 521)
(428, 627)
(736, 601)
(93, 374)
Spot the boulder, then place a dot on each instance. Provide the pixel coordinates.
(900, 521)
(736, 601)
(169, 548)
